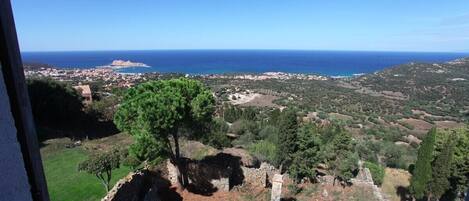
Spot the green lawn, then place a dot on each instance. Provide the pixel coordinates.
(65, 183)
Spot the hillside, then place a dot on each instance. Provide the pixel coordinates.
(439, 89)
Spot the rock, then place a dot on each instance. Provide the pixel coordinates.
(222, 184)
(412, 139)
(324, 193)
(173, 173)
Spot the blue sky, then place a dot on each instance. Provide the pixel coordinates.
(385, 25)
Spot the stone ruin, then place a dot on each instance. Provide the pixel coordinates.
(364, 178)
(220, 172)
(133, 187)
(276, 193)
(216, 173)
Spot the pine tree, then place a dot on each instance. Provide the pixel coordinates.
(423, 168)
(288, 126)
(308, 153)
(442, 169)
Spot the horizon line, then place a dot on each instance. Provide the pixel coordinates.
(239, 49)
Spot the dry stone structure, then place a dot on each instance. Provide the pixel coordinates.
(133, 187)
(277, 181)
(364, 178)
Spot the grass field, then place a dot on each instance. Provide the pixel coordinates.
(64, 182)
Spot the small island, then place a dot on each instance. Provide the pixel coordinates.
(119, 64)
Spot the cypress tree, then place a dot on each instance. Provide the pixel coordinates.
(423, 168)
(442, 169)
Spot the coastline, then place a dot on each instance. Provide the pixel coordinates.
(193, 62)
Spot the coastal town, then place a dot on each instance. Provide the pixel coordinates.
(112, 78)
(107, 75)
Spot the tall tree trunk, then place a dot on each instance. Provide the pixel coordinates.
(179, 163)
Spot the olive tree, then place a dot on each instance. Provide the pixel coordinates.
(165, 110)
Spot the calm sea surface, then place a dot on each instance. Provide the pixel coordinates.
(241, 61)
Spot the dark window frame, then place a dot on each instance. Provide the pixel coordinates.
(13, 73)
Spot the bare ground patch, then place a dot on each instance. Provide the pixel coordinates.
(395, 183)
(417, 124)
(261, 100)
(448, 124)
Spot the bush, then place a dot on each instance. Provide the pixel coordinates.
(269, 133)
(243, 127)
(294, 189)
(131, 161)
(263, 150)
(217, 137)
(377, 172)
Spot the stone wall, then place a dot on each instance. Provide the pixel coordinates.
(254, 177)
(210, 173)
(364, 178)
(134, 187)
(261, 177)
(202, 175)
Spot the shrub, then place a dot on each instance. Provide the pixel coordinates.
(131, 161)
(293, 189)
(377, 172)
(269, 133)
(217, 138)
(263, 150)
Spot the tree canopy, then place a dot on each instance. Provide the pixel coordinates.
(163, 109)
(54, 104)
(101, 165)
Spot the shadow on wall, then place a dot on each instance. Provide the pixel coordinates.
(403, 193)
(165, 191)
(223, 169)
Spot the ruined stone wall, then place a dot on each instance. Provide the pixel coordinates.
(134, 187)
(254, 177)
(364, 178)
(261, 176)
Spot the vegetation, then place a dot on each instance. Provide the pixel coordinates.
(308, 153)
(64, 182)
(333, 122)
(441, 170)
(339, 154)
(377, 172)
(286, 147)
(55, 104)
(159, 110)
(101, 165)
(422, 173)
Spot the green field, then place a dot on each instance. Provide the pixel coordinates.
(64, 182)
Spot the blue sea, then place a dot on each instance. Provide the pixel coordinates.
(332, 63)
